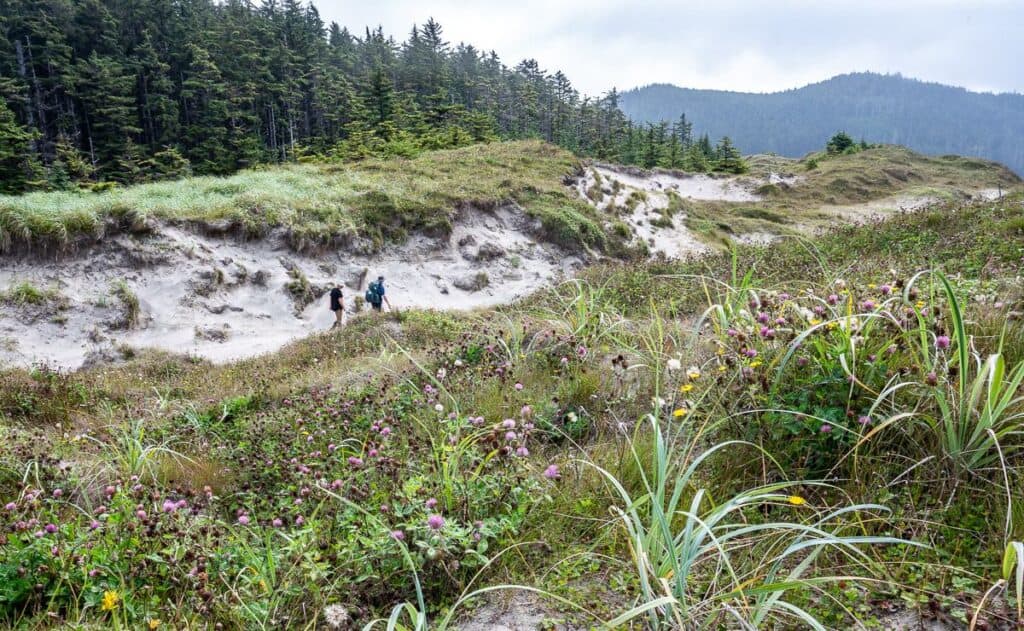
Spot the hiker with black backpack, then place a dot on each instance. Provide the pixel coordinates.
(337, 305)
(375, 295)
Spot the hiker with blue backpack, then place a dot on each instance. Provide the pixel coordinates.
(375, 295)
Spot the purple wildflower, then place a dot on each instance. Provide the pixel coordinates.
(435, 521)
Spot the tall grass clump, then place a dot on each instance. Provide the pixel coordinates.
(707, 563)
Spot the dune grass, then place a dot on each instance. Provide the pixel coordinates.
(316, 204)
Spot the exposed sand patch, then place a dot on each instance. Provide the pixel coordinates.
(880, 207)
(644, 196)
(224, 299)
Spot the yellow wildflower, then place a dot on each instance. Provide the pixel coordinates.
(871, 285)
(722, 369)
(680, 412)
(815, 321)
(110, 600)
(686, 387)
(693, 373)
(263, 585)
(920, 305)
(755, 363)
(154, 623)
(796, 500)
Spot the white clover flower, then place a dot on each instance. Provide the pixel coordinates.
(336, 616)
(439, 408)
(693, 373)
(674, 364)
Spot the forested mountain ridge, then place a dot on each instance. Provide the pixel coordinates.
(95, 91)
(927, 117)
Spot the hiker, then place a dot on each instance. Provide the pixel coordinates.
(337, 305)
(375, 295)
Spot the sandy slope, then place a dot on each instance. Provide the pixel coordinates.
(224, 299)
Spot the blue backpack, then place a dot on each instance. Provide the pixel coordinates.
(373, 293)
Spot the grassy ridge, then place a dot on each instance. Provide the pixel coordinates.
(382, 200)
(831, 356)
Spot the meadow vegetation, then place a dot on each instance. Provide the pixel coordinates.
(811, 435)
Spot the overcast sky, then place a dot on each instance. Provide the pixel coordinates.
(749, 45)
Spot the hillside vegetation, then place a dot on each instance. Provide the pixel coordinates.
(814, 434)
(318, 204)
(927, 117)
(385, 200)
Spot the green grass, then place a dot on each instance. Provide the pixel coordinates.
(25, 293)
(381, 200)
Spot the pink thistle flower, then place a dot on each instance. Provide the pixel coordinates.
(277, 523)
(435, 521)
(243, 520)
(385, 431)
(300, 520)
(552, 472)
(356, 462)
(508, 424)
(169, 506)
(833, 299)
(526, 412)
(518, 387)
(398, 535)
(431, 503)
(864, 420)
(522, 452)
(58, 492)
(510, 436)
(94, 525)
(372, 453)
(942, 342)
(11, 506)
(51, 528)
(141, 514)
(337, 484)
(826, 428)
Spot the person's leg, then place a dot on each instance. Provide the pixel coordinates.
(338, 313)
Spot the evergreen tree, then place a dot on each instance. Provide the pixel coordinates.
(728, 157)
(15, 141)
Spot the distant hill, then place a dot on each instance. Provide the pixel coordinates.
(928, 117)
